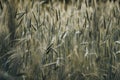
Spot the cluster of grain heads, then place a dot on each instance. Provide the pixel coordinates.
(54, 40)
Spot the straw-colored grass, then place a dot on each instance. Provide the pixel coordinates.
(59, 40)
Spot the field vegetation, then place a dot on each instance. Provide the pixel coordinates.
(59, 39)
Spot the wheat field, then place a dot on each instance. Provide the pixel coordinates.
(59, 39)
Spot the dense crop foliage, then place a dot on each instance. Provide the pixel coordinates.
(59, 40)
